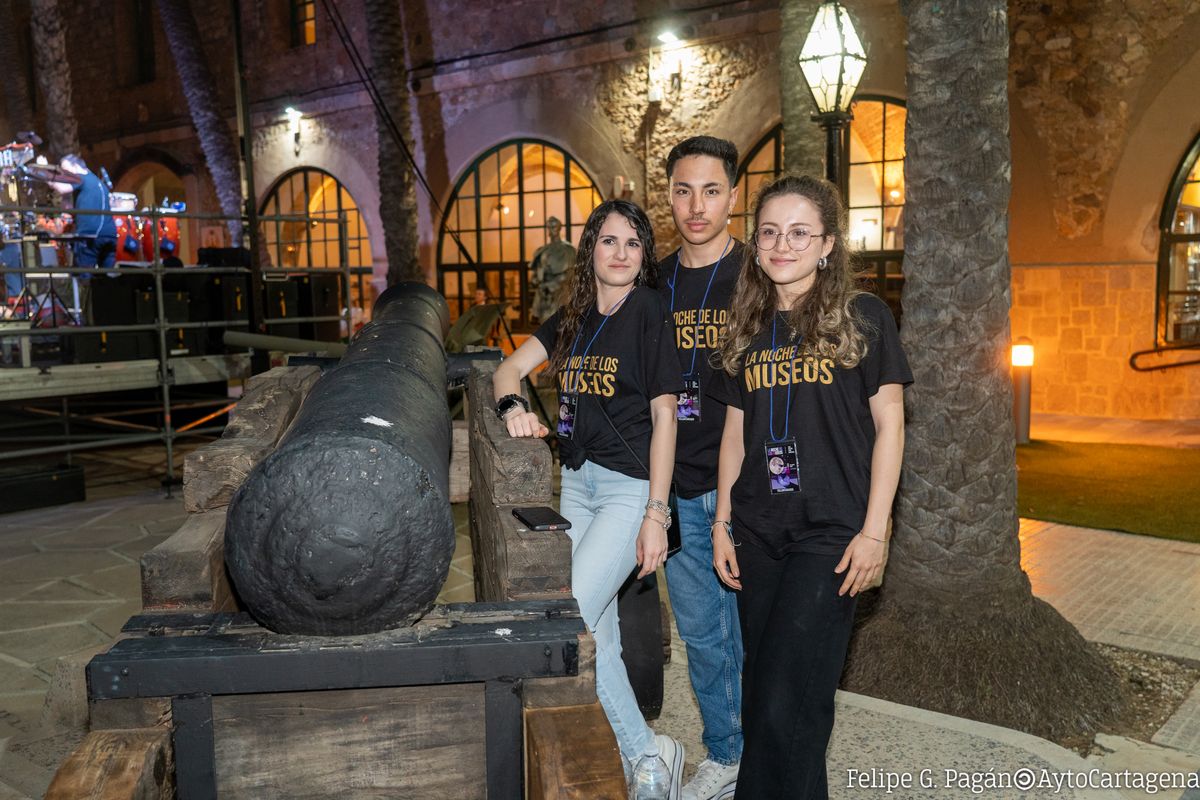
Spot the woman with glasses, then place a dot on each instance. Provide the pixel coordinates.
(612, 347)
(813, 378)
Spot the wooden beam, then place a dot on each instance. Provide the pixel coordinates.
(571, 754)
(117, 765)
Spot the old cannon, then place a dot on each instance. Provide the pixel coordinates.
(346, 527)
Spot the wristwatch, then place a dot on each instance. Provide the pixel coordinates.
(508, 403)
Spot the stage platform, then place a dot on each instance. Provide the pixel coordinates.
(25, 383)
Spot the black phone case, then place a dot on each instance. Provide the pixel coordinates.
(541, 518)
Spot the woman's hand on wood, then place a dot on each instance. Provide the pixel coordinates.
(524, 424)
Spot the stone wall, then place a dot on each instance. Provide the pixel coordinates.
(1085, 321)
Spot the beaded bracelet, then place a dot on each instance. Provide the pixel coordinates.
(659, 505)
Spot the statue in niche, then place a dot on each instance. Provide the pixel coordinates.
(549, 268)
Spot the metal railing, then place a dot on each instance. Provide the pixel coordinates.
(165, 375)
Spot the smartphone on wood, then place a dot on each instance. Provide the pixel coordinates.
(541, 518)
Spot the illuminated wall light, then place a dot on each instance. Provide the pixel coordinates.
(294, 117)
(1022, 353)
(668, 37)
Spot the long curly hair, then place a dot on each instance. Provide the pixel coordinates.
(825, 315)
(579, 293)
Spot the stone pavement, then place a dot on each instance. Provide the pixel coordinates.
(71, 579)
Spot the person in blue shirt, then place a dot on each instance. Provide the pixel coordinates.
(95, 235)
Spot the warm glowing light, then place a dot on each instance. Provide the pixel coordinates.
(1022, 353)
(668, 37)
(832, 59)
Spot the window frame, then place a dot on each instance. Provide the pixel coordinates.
(501, 270)
(360, 275)
(1167, 241)
(297, 22)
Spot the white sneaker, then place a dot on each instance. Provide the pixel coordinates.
(712, 781)
(671, 752)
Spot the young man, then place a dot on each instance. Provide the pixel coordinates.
(697, 281)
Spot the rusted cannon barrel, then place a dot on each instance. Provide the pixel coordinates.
(346, 528)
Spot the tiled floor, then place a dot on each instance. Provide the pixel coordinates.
(70, 579)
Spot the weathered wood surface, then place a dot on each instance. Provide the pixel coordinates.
(269, 402)
(511, 562)
(426, 742)
(515, 563)
(571, 754)
(187, 570)
(509, 471)
(117, 765)
(460, 462)
(574, 691)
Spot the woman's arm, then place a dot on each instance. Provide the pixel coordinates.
(864, 555)
(733, 452)
(507, 380)
(652, 538)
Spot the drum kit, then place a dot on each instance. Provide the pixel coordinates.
(34, 240)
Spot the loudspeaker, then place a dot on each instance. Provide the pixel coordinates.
(281, 300)
(320, 296)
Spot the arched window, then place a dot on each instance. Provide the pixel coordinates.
(499, 210)
(762, 165)
(873, 186)
(1179, 255)
(314, 241)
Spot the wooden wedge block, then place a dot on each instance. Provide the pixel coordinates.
(187, 570)
(117, 765)
(571, 754)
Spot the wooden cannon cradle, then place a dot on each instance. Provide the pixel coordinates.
(486, 699)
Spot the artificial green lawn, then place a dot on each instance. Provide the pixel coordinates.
(1121, 487)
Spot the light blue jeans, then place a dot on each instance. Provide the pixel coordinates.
(605, 509)
(707, 617)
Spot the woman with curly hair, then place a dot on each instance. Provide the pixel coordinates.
(612, 347)
(813, 377)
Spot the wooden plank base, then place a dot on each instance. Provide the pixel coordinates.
(571, 754)
(421, 741)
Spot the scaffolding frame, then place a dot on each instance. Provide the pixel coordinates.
(163, 372)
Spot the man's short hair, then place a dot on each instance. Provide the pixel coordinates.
(720, 149)
(74, 160)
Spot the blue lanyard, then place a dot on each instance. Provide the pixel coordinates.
(579, 335)
(787, 414)
(703, 300)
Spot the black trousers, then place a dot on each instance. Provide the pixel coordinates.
(795, 631)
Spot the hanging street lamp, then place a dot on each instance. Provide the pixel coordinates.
(832, 61)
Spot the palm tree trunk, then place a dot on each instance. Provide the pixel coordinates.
(54, 77)
(217, 140)
(803, 140)
(16, 90)
(956, 628)
(397, 190)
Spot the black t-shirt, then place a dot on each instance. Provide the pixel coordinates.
(829, 418)
(92, 195)
(697, 331)
(631, 361)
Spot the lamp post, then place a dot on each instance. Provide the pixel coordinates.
(1022, 374)
(832, 61)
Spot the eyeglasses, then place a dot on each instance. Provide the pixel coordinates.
(798, 239)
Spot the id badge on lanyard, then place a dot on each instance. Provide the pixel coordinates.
(782, 455)
(687, 407)
(568, 405)
(783, 466)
